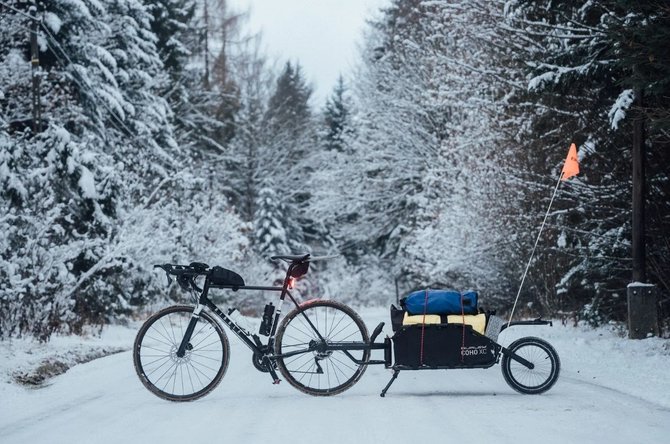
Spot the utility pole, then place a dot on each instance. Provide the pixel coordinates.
(206, 45)
(642, 299)
(638, 241)
(35, 62)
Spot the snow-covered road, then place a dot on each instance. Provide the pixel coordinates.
(104, 402)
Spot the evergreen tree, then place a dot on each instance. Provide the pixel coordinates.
(99, 195)
(283, 157)
(337, 117)
(66, 238)
(171, 23)
(270, 235)
(415, 169)
(288, 108)
(247, 165)
(563, 58)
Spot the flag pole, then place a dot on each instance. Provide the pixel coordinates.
(544, 221)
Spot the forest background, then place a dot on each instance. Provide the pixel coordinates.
(166, 135)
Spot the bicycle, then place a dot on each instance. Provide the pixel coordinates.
(321, 347)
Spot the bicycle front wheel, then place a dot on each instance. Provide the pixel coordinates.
(185, 378)
(321, 372)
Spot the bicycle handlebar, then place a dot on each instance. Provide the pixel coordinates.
(184, 273)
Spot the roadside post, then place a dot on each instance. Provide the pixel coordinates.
(642, 310)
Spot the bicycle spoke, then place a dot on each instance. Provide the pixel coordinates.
(156, 360)
(334, 372)
(310, 374)
(343, 363)
(197, 376)
(174, 338)
(205, 357)
(181, 374)
(216, 341)
(308, 371)
(166, 372)
(202, 373)
(173, 375)
(189, 378)
(298, 344)
(307, 354)
(334, 326)
(166, 335)
(203, 365)
(307, 326)
(341, 330)
(158, 340)
(204, 339)
(155, 349)
(158, 368)
(305, 363)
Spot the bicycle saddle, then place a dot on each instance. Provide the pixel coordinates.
(291, 257)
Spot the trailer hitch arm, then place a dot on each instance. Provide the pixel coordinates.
(517, 358)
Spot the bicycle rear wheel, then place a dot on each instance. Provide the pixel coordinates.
(195, 374)
(325, 372)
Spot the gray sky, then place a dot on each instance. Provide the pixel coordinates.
(321, 34)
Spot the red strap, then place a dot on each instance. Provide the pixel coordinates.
(423, 326)
(463, 319)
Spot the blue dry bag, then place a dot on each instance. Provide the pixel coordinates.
(441, 302)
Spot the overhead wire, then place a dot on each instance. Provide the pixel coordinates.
(18, 11)
(79, 80)
(85, 84)
(82, 83)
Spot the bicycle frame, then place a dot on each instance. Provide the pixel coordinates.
(252, 340)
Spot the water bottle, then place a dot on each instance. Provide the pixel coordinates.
(266, 323)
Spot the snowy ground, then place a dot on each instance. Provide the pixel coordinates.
(611, 390)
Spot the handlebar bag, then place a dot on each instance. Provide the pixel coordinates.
(440, 302)
(223, 276)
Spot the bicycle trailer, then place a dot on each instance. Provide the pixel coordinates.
(445, 329)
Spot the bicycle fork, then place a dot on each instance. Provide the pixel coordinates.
(181, 351)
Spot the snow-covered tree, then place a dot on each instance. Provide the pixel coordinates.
(270, 235)
(87, 203)
(337, 117)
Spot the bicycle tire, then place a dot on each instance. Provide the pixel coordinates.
(339, 372)
(531, 381)
(168, 376)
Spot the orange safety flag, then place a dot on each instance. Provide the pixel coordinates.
(571, 166)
